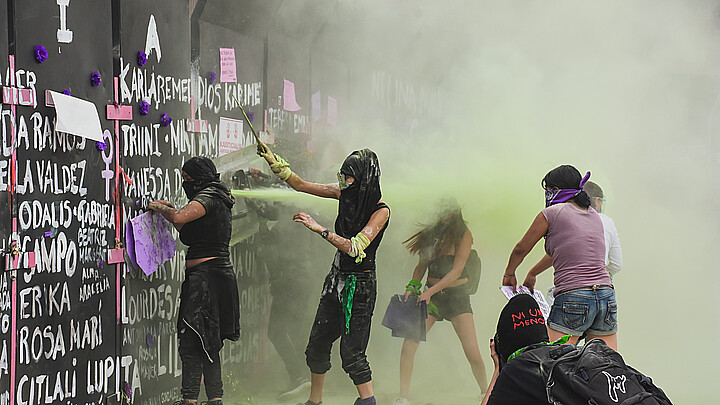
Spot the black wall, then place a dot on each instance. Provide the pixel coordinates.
(83, 329)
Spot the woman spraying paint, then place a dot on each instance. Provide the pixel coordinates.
(210, 284)
(575, 247)
(443, 249)
(348, 297)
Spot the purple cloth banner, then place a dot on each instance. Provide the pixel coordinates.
(149, 241)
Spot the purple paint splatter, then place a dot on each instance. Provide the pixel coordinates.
(127, 390)
(144, 107)
(95, 79)
(101, 145)
(142, 58)
(66, 92)
(165, 119)
(251, 116)
(212, 76)
(149, 241)
(41, 54)
(150, 339)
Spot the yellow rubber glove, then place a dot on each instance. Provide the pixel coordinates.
(281, 168)
(359, 243)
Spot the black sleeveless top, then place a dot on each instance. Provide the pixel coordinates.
(209, 235)
(346, 263)
(440, 266)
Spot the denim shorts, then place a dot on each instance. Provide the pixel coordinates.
(588, 309)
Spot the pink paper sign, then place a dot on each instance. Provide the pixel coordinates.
(332, 111)
(227, 66)
(26, 97)
(120, 112)
(231, 135)
(116, 256)
(289, 101)
(149, 241)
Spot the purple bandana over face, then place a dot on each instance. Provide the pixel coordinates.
(553, 197)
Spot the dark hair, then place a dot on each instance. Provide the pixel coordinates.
(566, 176)
(445, 232)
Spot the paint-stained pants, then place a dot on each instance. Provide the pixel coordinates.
(195, 365)
(330, 325)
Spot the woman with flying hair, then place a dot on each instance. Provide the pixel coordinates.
(443, 248)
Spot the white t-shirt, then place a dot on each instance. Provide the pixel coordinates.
(613, 252)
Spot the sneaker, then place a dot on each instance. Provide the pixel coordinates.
(401, 401)
(297, 387)
(366, 401)
(214, 402)
(309, 402)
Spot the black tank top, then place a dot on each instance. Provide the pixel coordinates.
(346, 263)
(440, 266)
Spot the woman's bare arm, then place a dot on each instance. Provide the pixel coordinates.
(376, 224)
(296, 182)
(537, 229)
(192, 211)
(331, 190)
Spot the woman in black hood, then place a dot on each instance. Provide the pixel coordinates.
(348, 297)
(205, 225)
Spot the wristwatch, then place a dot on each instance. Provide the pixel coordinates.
(325, 233)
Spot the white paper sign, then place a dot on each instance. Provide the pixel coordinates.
(77, 116)
(538, 295)
(231, 135)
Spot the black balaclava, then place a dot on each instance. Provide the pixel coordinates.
(520, 324)
(205, 176)
(360, 199)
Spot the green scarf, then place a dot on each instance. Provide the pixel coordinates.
(414, 287)
(348, 292)
(560, 341)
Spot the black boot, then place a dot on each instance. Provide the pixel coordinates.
(213, 402)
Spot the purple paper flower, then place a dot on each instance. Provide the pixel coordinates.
(212, 76)
(127, 390)
(41, 54)
(165, 119)
(95, 79)
(51, 233)
(101, 145)
(142, 58)
(144, 107)
(66, 92)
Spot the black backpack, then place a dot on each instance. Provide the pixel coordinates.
(473, 268)
(593, 374)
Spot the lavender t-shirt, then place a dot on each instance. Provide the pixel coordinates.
(576, 242)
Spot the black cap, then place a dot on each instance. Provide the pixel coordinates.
(521, 324)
